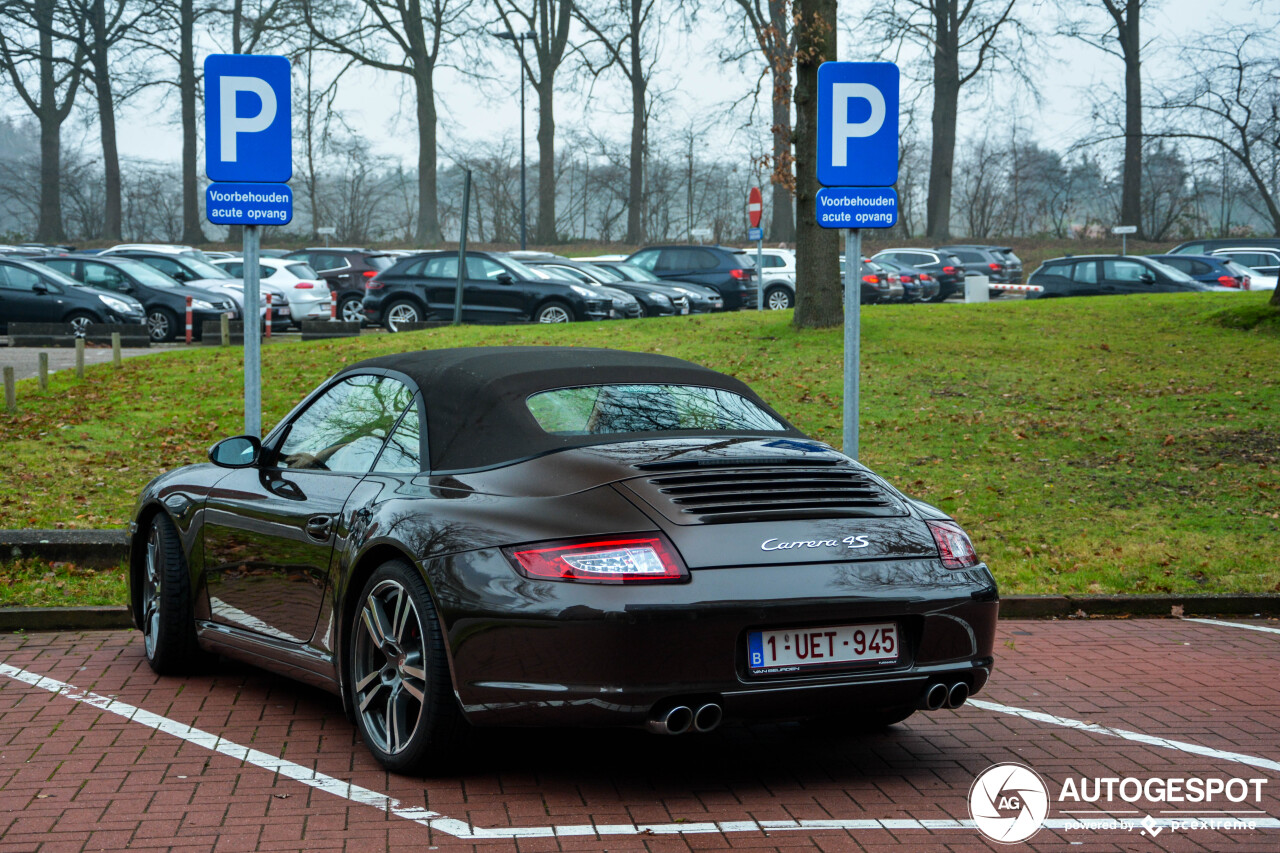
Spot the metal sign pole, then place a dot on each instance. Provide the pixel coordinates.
(252, 334)
(760, 274)
(852, 336)
(462, 247)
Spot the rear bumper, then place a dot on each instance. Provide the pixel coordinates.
(547, 653)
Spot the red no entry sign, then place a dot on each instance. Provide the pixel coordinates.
(754, 207)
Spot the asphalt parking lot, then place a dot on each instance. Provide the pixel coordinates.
(96, 752)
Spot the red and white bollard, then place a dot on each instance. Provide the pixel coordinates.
(333, 306)
(188, 319)
(268, 315)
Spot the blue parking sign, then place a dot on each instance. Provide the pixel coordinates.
(858, 124)
(247, 118)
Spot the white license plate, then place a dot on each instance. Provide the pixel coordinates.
(800, 648)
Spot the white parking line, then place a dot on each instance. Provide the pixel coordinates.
(1150, 740)
(462, 830)
(1244, 625)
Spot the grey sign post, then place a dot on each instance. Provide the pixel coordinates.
(1124, 231)
(857, 165)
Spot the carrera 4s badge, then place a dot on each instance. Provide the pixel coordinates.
(850, 541)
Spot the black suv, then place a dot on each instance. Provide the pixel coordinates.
(1099, 275)
(728, 271)
(164, 299)
(939, 263)
(346, 271)
(33, 293)
(496, 290)
(998, 263)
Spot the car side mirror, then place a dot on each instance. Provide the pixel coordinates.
(39, 287)
(1147, 278)
(243, 451)
(505, 278)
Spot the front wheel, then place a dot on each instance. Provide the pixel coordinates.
(399, 313)
(398, 679)
(351, 309)
(554, 312)
(168, 624)
(778, 299)
(162, 325)
(80, 323)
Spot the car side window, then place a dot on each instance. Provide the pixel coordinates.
(345, 427)
(63, 266)
(674, 259)
(569, 273)
(1127, 271)
(442, 268)
(1085, 272)
(704, 260)
(169, 267)
(772, 261)
(403, 453)
(24, 279)
(915, 259)
(324, 263)
(102, 275)
(483, 268)
(417, 268)
(646, 259)
(1186, 265)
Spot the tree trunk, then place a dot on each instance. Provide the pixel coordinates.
(818, 285)
(49, 227)
(112, 221)
(782, 226)
(1131, 189)
(635, 192)
(192, 234)
(428, 233)
(946, 100)
(546, 233)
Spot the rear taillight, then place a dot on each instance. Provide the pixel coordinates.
(948, 270)
(630, 559)
(373, 284)
(741, 275)
(304, 285)
(905, 279)
(954, 546)
(995, 267)
(870, 279)
(924, 276)
(370, 273)
(1227, 281)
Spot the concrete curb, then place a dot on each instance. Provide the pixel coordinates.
(111, 618)
(96, 548)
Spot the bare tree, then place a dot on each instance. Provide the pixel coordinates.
(46, 73)
(1229, 97)
(768, 24)
(403, 37)
(1124, 26)
(962, 38)
(818, 301)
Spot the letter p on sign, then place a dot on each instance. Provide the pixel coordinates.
(248, 132)
(858, 124)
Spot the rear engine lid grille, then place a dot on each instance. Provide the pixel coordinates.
(698, 495)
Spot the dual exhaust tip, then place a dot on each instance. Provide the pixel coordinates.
(682, 719)
(940, 696)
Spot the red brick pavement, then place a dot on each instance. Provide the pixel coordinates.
(74, 777)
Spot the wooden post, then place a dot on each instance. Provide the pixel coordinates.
(225, 321)
(10, 392)
(43, 371)
(79, 358)
(116, 358)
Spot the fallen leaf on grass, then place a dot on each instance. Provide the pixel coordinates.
(1176, 610)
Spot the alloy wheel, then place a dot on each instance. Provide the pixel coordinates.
(553, 314)
(389, 667)
(777, 300)
(401, 313)
(80, 325)
(151, 593)
(352, 310)
(158, 325)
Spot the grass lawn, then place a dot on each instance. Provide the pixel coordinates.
(1103, 445)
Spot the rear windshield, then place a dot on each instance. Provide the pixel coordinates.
(302, 270)
(1008, 253)
(613, 409)
(380, 262)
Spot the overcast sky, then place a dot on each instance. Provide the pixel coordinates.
(700, 88)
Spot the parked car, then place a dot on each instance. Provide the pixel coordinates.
(702, 299)
(1096, 275)
(1262, 261)
(164, 299)
(1207, 246)
(1000, 264)
(33, 293)
(346, 270)
(877, 285)
(557, 536)
(497, 289)
(917, 285)
(624, 306)
(728, 271)
(188, 266)
(308, 294)
(653, 300)
(1209, 269)
(939, 263)
(778, 277)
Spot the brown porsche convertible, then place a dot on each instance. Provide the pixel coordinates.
(558, 536)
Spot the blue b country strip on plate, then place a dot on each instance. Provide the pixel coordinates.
(856, 207)
(248, 204)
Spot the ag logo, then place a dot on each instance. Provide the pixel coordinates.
(1008, 802)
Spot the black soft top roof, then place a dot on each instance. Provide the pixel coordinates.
(475, 396)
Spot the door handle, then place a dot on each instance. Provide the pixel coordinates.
(319, 526)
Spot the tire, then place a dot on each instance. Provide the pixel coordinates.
(168, 624)
(778, 298)
(351, 309)
(401, 311)
(162, 325)
(80, 321)
(398, 679)
(554, 311)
